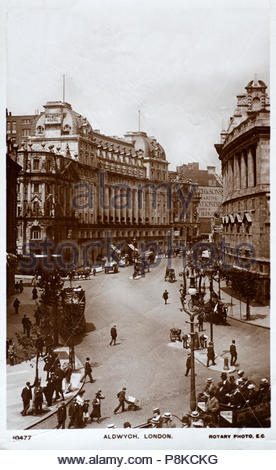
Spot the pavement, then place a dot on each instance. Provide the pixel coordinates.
(19, 374)
(143, 360)
(259, 314)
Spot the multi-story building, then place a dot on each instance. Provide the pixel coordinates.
(12, 170)
(185, 213)
(244, 154)
(78, 185)
(19, 127)
(210, 191)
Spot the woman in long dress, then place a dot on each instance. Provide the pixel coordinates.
(96, 403)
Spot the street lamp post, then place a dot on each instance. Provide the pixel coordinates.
(192, 333)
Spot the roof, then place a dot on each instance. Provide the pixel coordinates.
(201, 177)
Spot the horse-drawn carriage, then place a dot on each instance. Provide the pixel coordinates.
(170, 275)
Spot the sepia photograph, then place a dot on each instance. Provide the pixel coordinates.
(137, 223)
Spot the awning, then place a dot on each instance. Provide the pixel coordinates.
(232, 220)
(238, 218)
(248, 217)
(132, 247)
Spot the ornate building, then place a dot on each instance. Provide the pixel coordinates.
(185, 216)
(78, 186)
(210, 191)
(244, 154)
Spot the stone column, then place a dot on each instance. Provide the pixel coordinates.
(123, 204)
(250, 168)
(111, 204)
(117, 203)
(135, 205)
(243, 182)
(130, 206)
(106, 203)
(237, 175)
(100, 208)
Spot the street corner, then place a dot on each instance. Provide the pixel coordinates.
(220, 364)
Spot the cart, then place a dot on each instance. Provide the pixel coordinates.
(133, 403)
(175, 334)
(170, 275)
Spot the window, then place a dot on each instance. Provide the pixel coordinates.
(36, 187)
(26, 121)
(8, 127)
(36, 233)
(26, 132)
(36, 164)
(40, 130)
(14, 127)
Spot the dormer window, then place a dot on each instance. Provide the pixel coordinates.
(67, 129)
(40, 129)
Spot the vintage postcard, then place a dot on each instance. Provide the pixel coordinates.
(137, 252)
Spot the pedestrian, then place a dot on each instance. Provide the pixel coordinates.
(210, 354)
(85, 411)
(57, 379)
(26, 396)
(16, 286)
(188, 364)
(21, 287)
(38, 398)
(28, 325)
(16, 304)
(73, 411)
(94, 272)
(185, 341)
(49, 391)
(61, 415)
(113, 334)
(212, 406)
(11, 353)
(87, 371)
(24, 322)
(200, 319)
(233, 353)
(157, 419)
(167, 420)
(34, 293)
(122, 398)
(96, 411)
(37, 316)
(165, 296)
(67, 370)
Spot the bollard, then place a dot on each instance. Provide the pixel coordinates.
(226, 364)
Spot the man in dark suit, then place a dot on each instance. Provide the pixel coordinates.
(233, 353)
(210, 354)
(26, 396)
(61, 415)
(113, 333)
(87, 371)
(122, 398)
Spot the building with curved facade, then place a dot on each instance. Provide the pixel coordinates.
(244, 155)
(78, 187)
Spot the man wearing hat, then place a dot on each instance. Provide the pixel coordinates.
(122, 398)
(113, 334)
(188, 364)
(233, 353)
(167, 420)
(165, 296)
(251, 395)
(61, 415)
(264, 391)
(87, 371)
(26, 396)
(155, 423)
(211, 354)
(196, 421)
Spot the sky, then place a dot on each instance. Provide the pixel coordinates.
(181, 66)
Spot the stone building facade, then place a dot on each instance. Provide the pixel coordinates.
(244, 154)
(209, 186)
(79, 187)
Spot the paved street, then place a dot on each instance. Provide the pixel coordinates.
(144, 361)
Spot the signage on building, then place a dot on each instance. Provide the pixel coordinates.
(53, 118)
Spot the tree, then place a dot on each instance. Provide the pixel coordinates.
(244, 282)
